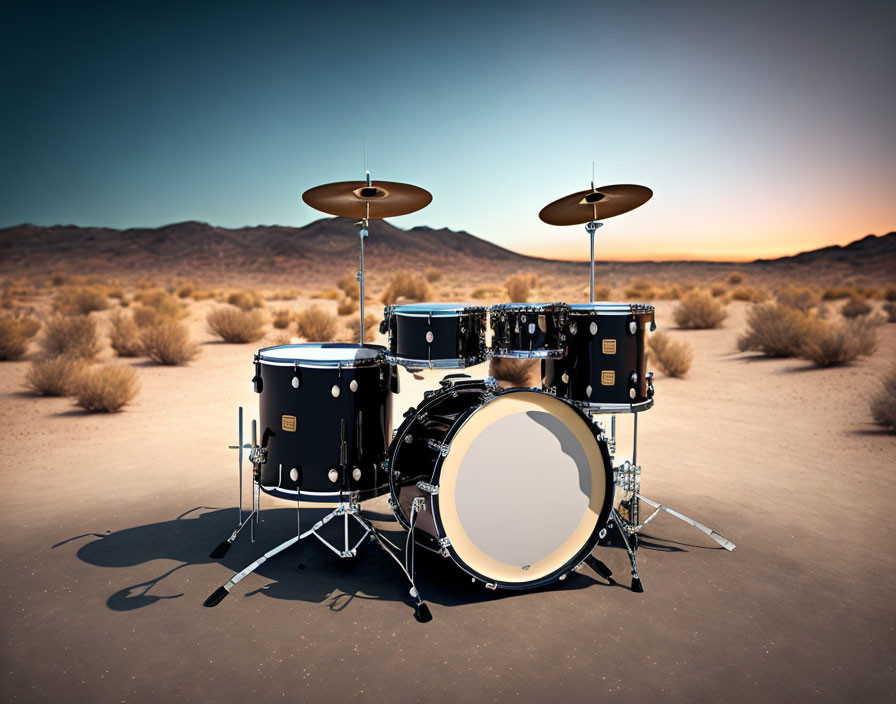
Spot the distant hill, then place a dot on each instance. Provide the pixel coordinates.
(329, 246)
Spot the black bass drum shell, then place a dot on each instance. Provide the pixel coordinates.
(412, 459)
(318, 415)
(606, 361)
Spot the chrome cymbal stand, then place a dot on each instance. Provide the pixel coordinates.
(363, 223)
(591, 227)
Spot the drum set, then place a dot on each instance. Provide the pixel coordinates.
(516, 486)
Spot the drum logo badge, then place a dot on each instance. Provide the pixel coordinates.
(608, 378)
(289, 423)
(609, 347)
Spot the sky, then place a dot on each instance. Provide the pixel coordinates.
(763, 128)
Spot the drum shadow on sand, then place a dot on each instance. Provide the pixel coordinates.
(307, 572)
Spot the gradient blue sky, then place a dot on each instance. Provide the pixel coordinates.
(764, 128)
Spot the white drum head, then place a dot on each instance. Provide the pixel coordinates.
(522, 487)
(320, 352)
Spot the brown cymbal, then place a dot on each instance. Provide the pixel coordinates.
(350, 199)
(595, 204)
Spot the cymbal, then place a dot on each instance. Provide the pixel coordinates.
(350, 199)
(595, 204)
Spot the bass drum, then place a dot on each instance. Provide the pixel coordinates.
(517, 484)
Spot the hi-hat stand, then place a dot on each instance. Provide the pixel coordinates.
(348, 507)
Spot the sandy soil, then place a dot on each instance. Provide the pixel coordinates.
(107, 522)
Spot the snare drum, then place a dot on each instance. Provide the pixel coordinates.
(528, 330)
(325, 411)
(435, 335)
(605, 366)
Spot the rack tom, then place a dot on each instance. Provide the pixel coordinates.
(528, 330)
(606, 364)
(435, 335)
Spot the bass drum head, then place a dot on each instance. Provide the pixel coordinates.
(524, 490)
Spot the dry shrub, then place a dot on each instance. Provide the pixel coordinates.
(523, 373)
(234, 325)
(883, 403)
(835, 294)
(81, 301)
(865, 292)
(855, 307)
(201, 295)
(751, 294)
(58, 279)
(330, 294)
(890, 310)
(168, 342)
(802, 299)
(282, 318)
(518, 287)
(486, 292)
(245, 300)
(371, 326)
(697, 310)
(347, 307)
(889, 293)
(316, 325)
(14, 336)
(405, 285)
(57, 376)
(124, 335)
(144, 317)
(73, 336)
(186, 290)
(350, 286)
(640, 289)
(673, 357)
(829, 344)
(286, 294)
(106, 389)
(432, 275)
(776, 330)
(718, 290)
(735, 278)
(162, 302)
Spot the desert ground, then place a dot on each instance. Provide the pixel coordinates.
(108, 519)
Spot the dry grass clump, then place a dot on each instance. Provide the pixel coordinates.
(144, 317)
(124, 335)
(883, 403)
(186, 290)
(673, 357)
(830, 345)
(835, 294)
(316, 325)
(889, 293)
(73, 336)
(516, 373)
(162, 302)
(81, 301)
(347, 307)
(749, 293)
(282, 318)
(58, 279)
(245, 300)
(56, 376)
(890, 310)
(776, 330)
(432, 275)
(697, 310)
(168, 342)
(106, 389)
(14, 335)
(405, 285)
(350, 286)
(735, 278)
(855, 307)
(640, 289)
(284, 294)
(234, 325)
(519, 286)
(371, 326)
(330, 294)
(802, 299)
(718, 290)
(486, 292)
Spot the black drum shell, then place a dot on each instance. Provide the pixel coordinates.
(443, 413)
(458, 340)
(510, 330)
(606, 360)
(314, 446)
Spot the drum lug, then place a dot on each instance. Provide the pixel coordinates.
(491, 585)
(432, 489)
(440, 447)
(627, 477)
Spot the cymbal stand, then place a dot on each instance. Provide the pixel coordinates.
(591, 227)
(363, 223)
